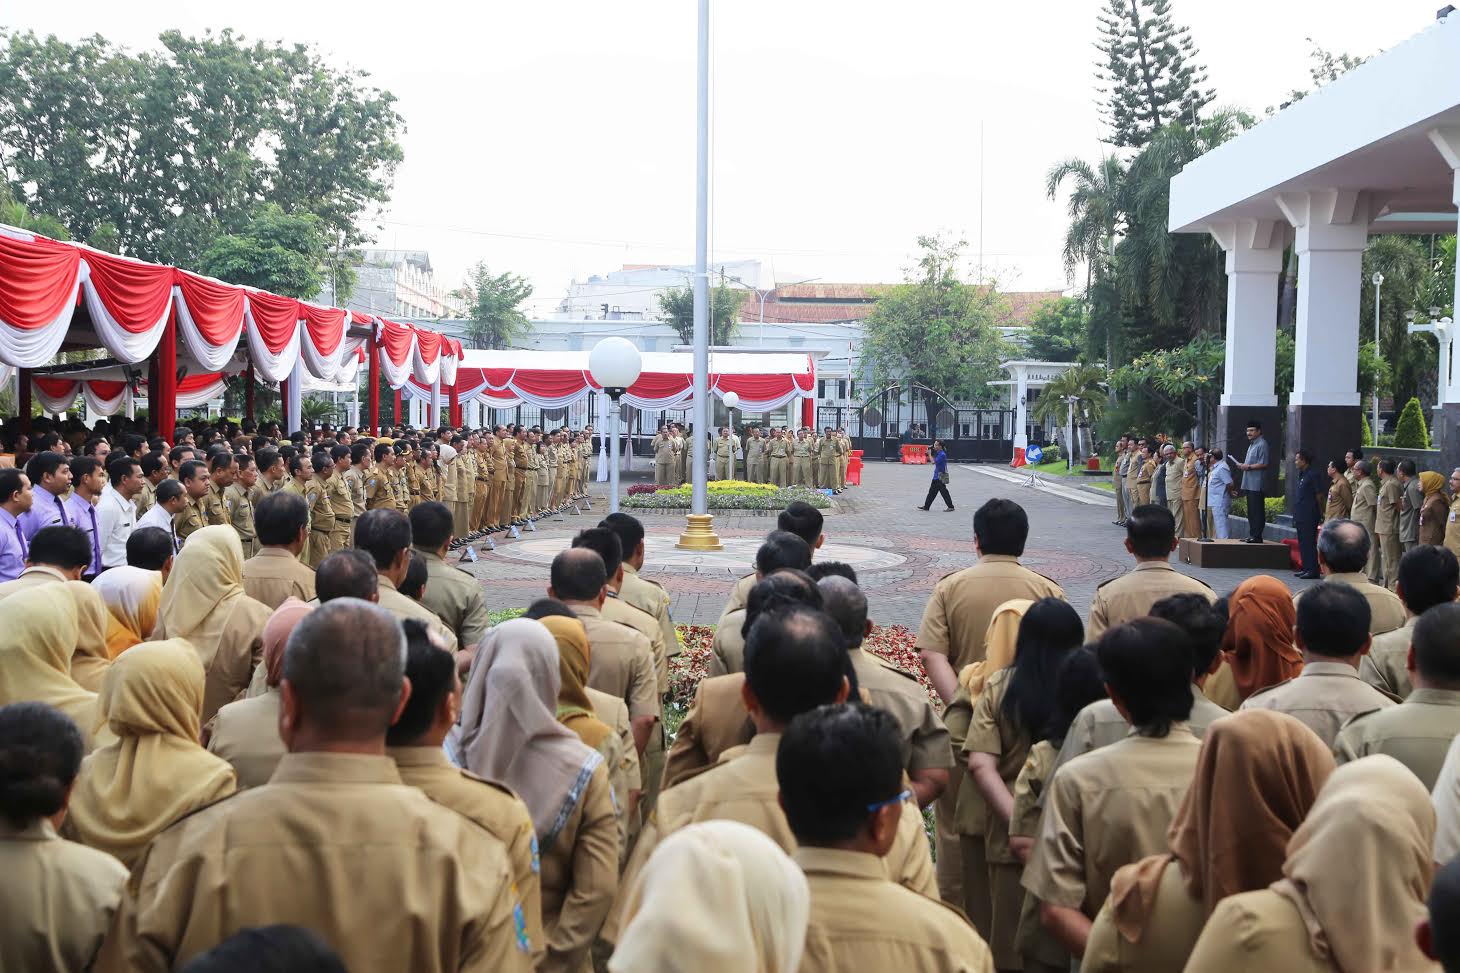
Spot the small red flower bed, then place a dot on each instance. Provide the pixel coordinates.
(891, 642)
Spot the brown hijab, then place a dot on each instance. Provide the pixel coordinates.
(1258, 773)
(1360, 866)
(575, 709)
(1258, 643)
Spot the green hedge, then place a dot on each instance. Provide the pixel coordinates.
(1410, 431)
(1272, 506)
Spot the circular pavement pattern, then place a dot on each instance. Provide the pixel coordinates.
(736, 559)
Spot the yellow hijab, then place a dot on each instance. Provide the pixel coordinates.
(206, 579)
(132, 595)
(999, 641)
(1431, 483)
(155, 771)
(94, 625)
(575, 709)
(36, 642)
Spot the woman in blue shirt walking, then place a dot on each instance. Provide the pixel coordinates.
(940, 477)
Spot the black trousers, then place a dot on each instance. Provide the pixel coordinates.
(1308, 546)
(1256, 513)
(937, 487)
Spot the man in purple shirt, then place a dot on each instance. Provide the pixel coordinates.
(88, 479)
(15, 499)
(51, 478)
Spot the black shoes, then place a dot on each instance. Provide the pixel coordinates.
(925, 508)
(948, 511)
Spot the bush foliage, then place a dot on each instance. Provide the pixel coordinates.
(1410, 431)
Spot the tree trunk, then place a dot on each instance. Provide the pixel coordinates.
(1288, 291)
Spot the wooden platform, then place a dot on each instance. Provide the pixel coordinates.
(1269, 555)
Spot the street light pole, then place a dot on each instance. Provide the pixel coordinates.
(1378, 280)
(699, 534)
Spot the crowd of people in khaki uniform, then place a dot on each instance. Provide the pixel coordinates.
(294, 740)
(765, 455)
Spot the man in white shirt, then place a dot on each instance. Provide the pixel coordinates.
(171, 497)
(116, 511)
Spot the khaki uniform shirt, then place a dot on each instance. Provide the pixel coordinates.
(273, 574)
(956, 618)
(743, 787)
(1386, 518)
(1175, 471)
(1386, 665)
(1172, 927)
(190, 518)
(1105, 809)
(621, 758)
(56, 901)
(448, 479)
(739, 596)
(1386, 611)
(1256, 931)
(495, 809)
(1417, 733)
(615, 609)
(620, 662)
(402, 607)
(1324, 696)
(229, 665)
(650, 596)
(861, 921)
(456, 597)
(1131, 595)
(240, 517)
(355, 480)
(214, 509)
(1100, 724)
(337, 843)
(337, 492)
(580, 876)
(246, 734)
(377, 489)
(501, 460)
(146, 497)
(1190, 481)
(727, 648)
(717, 721)
(1340, 499)
(1452, 526)
(1366, 503)
(925, 739)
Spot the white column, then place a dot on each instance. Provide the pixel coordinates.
(436, 401)
(296, 397)
(1332, 228)
(1254, 252)
(1444, 384)
(1021, 391)
(1447, 141)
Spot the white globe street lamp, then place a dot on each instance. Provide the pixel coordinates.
(615, 364)
(731, 400)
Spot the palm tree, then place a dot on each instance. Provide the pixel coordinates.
(1095, 218)
(1085, 384)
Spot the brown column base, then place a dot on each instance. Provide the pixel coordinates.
(1231, 436)
(1446, 430)
(1325, 431)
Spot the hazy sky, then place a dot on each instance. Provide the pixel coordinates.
(555, 138)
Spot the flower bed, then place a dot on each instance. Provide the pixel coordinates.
(891, 642)
(713, 486)
(749, 496)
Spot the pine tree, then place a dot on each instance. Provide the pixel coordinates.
(1410, 431)
(1366, 435)
(1150, 76)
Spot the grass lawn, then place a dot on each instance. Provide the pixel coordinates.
(1057, 468)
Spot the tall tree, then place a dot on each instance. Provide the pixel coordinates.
(936, 331)
(274, 251)
(1150, 76)
(1095, 219)
(1058, 331)
(493, 307)
(174, 147)
(677, 309)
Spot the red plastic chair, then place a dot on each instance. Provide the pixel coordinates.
(854, 468)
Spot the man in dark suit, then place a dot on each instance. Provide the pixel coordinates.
(1308, 512)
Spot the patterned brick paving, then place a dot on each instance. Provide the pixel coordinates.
(1073, 543)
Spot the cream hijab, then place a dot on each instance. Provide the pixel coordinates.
(91, 659)
(155, 771)
(715, 897)
(999, 641)
(509, 730)
(132, 596)
(36, 642)
(206, 581)
(1359, 867)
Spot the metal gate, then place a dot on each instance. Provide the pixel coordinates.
(898, 415)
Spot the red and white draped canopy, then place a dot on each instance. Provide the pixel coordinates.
(553, 379)
(127, 305)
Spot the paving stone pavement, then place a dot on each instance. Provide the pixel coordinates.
(1071, 542)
